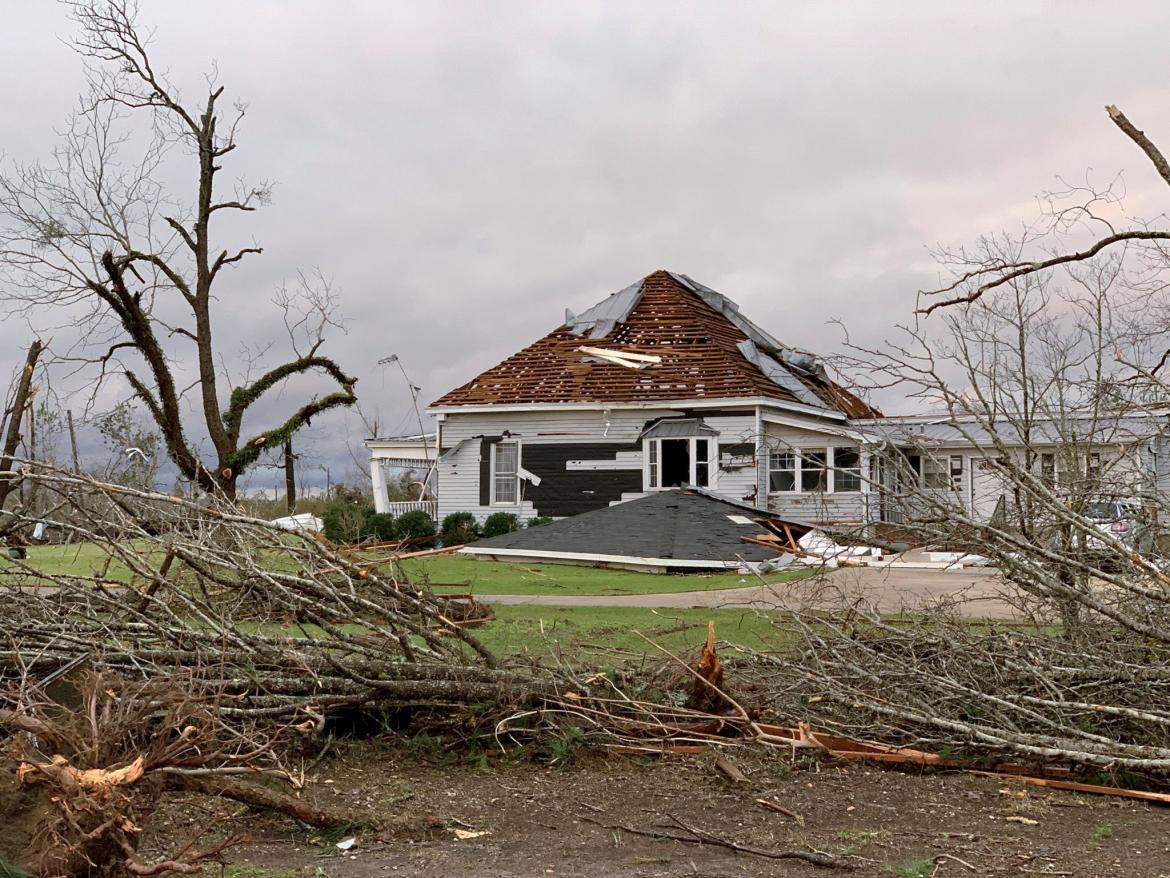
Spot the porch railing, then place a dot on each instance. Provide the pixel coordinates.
(430, 507)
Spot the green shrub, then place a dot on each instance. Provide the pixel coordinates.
(459, 528)
(343, 522)
(538, 520)
(500, 523)
(379, 525)
(414, 524)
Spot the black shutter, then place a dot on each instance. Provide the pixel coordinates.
(485, 469)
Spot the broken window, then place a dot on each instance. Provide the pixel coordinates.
(672, 463)
(814, 474)
(505, 473)
(782, 471)
(676, 462)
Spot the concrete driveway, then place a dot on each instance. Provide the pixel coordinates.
(981, 592)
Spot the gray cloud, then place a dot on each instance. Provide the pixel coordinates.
(464, 172)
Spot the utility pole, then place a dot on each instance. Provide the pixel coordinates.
(290, 476)
(73, 441)
(414, 391)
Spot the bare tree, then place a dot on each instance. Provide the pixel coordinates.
(1045, 360)
(97, 235)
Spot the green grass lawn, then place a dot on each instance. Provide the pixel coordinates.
(599, 632)
(455, 573)
(81, 559)
(460, 573)
(605, 633)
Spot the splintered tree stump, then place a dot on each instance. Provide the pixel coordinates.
(705, 688)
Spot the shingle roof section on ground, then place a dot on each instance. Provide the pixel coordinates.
(698, 344)
(679, 525)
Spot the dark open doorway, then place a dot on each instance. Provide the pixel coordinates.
(676, 462)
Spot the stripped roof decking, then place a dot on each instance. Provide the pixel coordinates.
(700, 360)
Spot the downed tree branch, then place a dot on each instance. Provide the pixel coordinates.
(263, 797)
(698, 836)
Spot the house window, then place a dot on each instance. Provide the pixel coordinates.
(935, 473)
(1048, 468)
(1055, 469)
(1093, 468)
(671, 463)
(846, 469)
(815, 470)
(505, 473)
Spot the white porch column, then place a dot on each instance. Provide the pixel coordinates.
(378, 478)
(865, 464)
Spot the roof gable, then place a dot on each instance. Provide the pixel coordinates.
(690, 342)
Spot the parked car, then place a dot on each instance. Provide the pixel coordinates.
(1123, 520)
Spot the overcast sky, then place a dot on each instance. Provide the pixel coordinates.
(466, 171)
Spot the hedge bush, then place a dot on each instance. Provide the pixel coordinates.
(459, 528)
(379, 525)
(538, 520)
(343, 522)
(500, 523)
(414, 524)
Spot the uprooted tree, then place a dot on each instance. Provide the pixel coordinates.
(199, 650)
(1048, 351)
(96, 235)
(203, 650)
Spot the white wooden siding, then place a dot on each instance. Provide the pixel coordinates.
(459, 474)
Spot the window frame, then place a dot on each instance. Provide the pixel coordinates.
(493, 475)
(836, 469)
(828, 469)
(652, 469)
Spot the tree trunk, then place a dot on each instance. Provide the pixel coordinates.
(73, 442)
(290, 476)
(16, 415)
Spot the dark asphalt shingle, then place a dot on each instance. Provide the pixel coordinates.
(682, 525)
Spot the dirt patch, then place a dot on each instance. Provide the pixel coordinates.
(891, 823)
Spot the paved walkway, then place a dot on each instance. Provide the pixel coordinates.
(980, 590)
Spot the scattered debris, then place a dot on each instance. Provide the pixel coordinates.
(773, 805)
(466, 834)
(305, 521)
(730, 769)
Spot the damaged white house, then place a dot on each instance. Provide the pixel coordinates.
(665, 383)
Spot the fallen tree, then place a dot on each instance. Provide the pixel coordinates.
(198, 650)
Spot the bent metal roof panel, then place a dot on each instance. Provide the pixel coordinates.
(666, 337)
